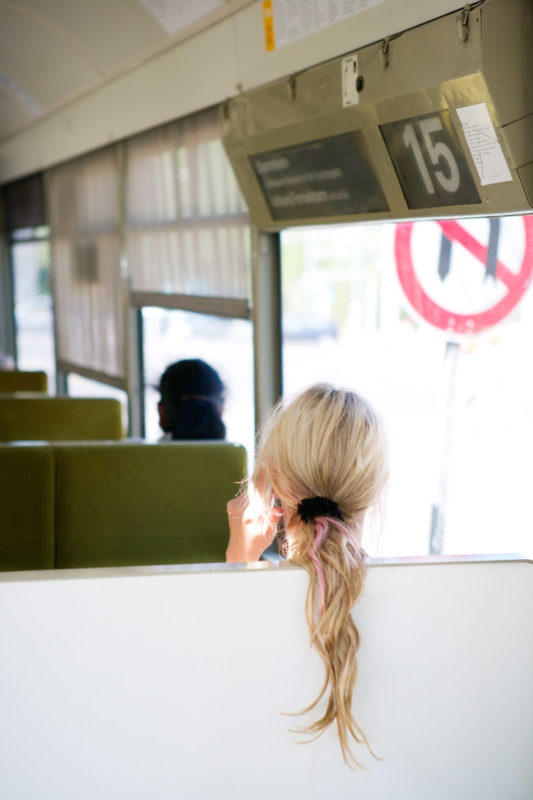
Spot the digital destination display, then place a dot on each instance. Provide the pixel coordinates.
(429, 161)
(324, 178)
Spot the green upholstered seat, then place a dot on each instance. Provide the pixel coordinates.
(15, 380)
(128, 504)
(26, 507)
(39, 417)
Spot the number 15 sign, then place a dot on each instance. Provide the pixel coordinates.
(429, 161)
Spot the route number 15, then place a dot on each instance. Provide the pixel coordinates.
(439, 155)
(429, 161)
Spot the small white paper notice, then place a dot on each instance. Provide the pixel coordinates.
(173, 15)
(293, 19)
(484, 145)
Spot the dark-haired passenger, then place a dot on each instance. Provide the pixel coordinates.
(192, 401)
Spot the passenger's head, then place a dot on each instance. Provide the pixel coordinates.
(327, 443)
(192, 401)
(323, 458)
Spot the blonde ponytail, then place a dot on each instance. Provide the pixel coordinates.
(324, 457)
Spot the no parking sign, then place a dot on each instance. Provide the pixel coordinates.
(465, 275)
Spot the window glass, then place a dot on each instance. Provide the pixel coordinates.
(79, 386)
(27, 234)
(226, 344)
(33, 307)
(187, 225)
(362, 306)
(84, 217)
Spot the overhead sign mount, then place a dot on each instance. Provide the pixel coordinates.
(440, 128)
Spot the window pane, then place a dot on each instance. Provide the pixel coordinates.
(457, 406)
(79, 386)
(88, 290)
(33, 308)
(187, 224)
(226, 344)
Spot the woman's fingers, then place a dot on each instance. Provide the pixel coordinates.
(236, 506)
(250, 533)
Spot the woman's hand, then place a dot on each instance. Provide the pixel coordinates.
(249, 534)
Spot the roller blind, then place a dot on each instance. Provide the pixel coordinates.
(85, 234)
(187, 225)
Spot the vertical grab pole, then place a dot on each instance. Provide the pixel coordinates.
(132, 321)
(266, 317)
(8, 338)
(61, 376)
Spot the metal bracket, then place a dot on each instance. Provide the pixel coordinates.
(463, 28)
(292, 87)
(384, 52)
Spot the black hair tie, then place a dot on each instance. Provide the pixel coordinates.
(312, 507)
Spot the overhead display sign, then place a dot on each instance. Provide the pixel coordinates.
(463, 276)
(369, 136)
(429, 161)
(324, 178)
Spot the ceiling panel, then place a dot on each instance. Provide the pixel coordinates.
(109, 32)
(40, 66)
(52, 51)
(12, 114)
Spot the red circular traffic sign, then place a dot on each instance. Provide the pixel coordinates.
(433, 304)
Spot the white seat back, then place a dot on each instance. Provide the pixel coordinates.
(172, 682)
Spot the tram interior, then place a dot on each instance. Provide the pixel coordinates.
(295, 192)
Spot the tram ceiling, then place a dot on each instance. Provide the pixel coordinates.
(55, 51)
(435, 122)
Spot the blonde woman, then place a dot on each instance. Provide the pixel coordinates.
(321, 464)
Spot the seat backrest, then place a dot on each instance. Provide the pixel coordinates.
(16, 380)
(131, 503)
(182, 683)
(35, 417)
(26, 507)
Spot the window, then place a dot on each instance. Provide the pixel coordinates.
(226, 344)
(30, 257)
(88, 290)
(79, 386)
(456, 404)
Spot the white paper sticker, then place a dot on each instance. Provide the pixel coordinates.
(350, 72)
(173, 15)
(483, 144)
(294, 19)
